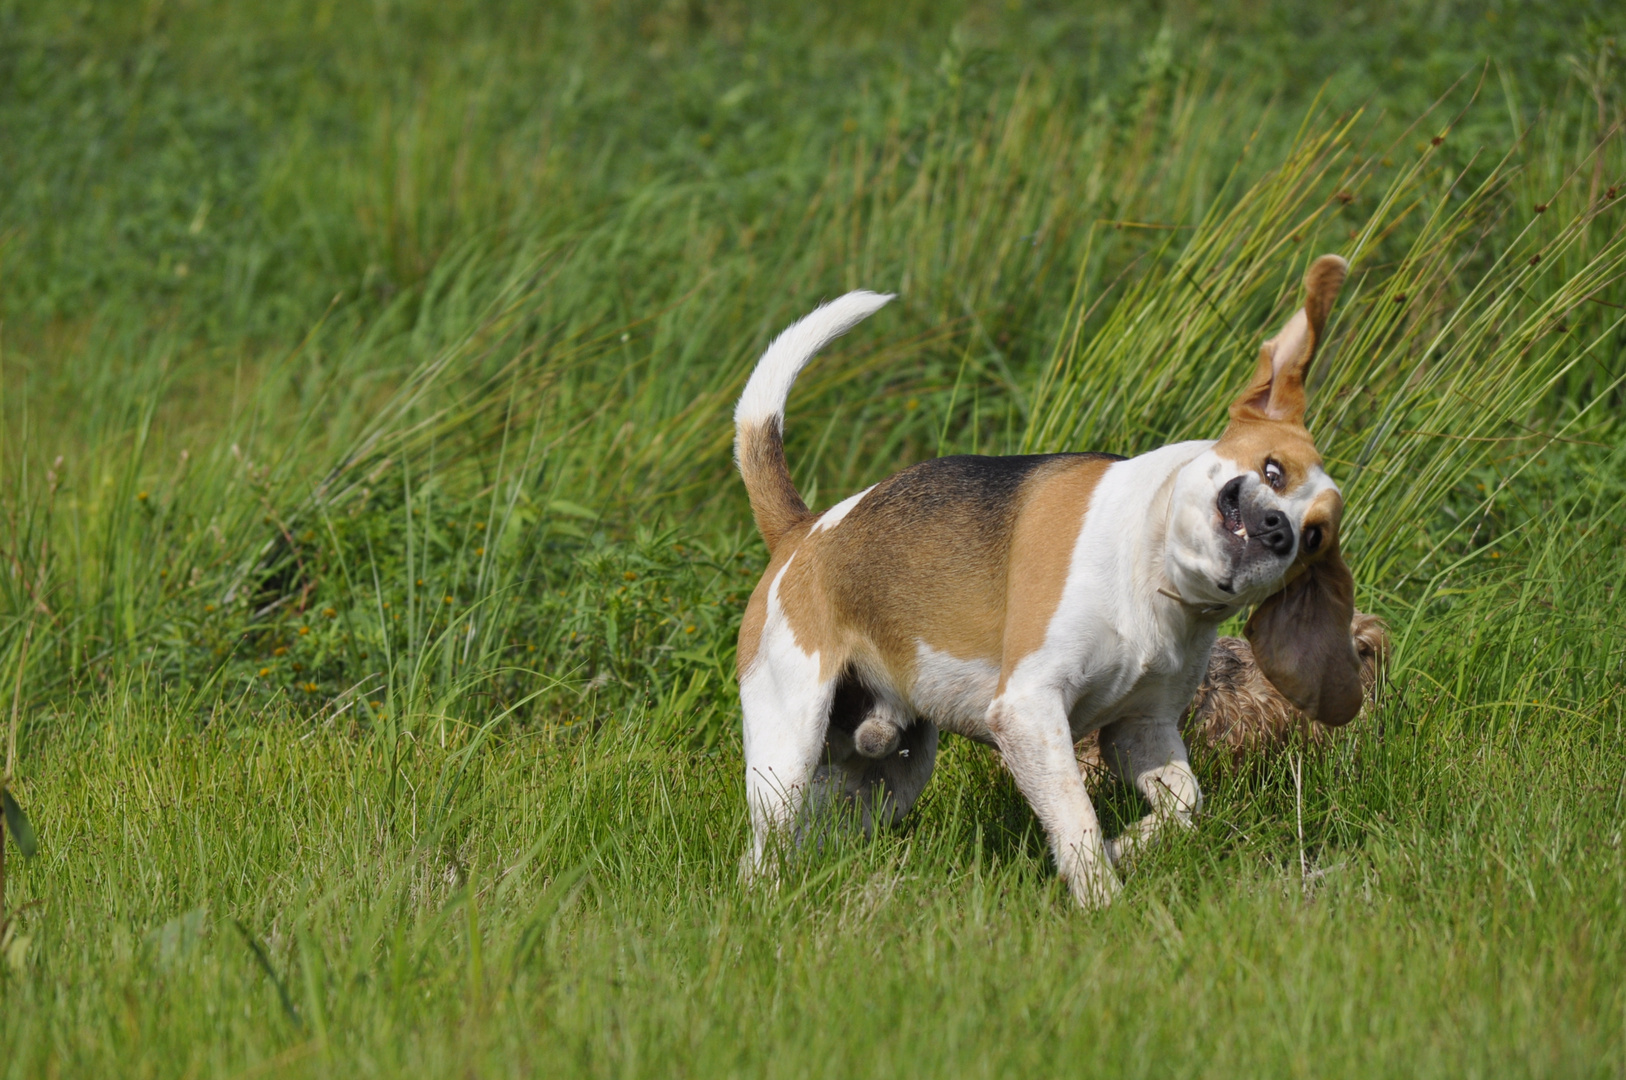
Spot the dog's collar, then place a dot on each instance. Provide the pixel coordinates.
(1206, 611)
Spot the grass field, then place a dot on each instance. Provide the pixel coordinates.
(373, 556)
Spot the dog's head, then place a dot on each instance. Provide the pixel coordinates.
(1255, 520)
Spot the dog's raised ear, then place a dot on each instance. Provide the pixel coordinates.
(1277, 389)
(1301, 635)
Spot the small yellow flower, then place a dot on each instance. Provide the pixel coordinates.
(264, 672)
(689, 629)
(329, 612)
(480, 526)
(630, 576)
(208, 607)
(141, 496)
(376, 704)
(448, 599)
(479, 551)
(303, 630)
(310, 688)
(280, 650)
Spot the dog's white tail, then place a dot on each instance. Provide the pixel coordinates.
(759, 419)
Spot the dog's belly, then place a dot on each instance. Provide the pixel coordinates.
(953, 693)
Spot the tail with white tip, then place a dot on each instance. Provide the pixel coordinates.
(759, 419)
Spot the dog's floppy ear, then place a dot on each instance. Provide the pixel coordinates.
(1301, 635)
(1277, 389)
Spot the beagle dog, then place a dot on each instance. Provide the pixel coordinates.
(1027, 601)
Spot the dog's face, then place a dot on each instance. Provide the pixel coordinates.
(1246, 513)
(1254, 520)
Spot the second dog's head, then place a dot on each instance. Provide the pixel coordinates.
(1254, 519)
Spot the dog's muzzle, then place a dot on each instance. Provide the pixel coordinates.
(1268, 527)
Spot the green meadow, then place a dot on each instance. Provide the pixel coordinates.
(371, 555)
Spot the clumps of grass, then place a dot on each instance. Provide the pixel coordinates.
(1468, 320)
(483, 500)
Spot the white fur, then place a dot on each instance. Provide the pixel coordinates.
(832, 517)
(786, 707)
(769, 386)
(955, 693)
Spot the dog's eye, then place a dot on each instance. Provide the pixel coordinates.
(1274, 475)
(1312, 538)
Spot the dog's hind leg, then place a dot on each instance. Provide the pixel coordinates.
(786, 709)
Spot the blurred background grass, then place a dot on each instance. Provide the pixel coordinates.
(370, 525)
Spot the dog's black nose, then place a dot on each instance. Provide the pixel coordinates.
(1275, 532)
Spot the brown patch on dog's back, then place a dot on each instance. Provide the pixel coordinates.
(923, 557)
(1054, 506)
(926, 556)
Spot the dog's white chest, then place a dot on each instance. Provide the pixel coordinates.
(1147, 681)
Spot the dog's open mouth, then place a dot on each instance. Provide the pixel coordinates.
(1230, 509)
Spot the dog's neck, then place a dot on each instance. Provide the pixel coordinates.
(1193, 612)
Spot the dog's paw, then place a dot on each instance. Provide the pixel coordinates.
(1094, 885)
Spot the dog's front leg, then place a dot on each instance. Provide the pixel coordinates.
(1037, 747)
(1150, 754)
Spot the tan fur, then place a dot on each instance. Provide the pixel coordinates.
(905, 567)
(1277, 389)
(1040, 549)
(1298, 640)
(775, 502)
(1236, 712)
(1251, 443)
(756, 609)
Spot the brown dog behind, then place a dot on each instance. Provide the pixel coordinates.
(1237, 712)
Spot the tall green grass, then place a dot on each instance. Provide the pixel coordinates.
(381, 569)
